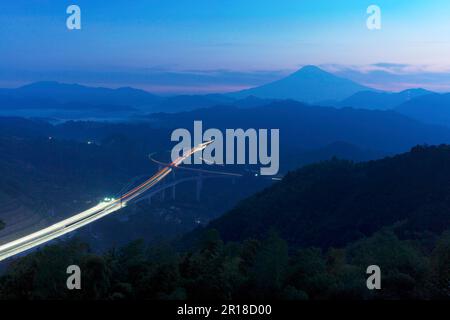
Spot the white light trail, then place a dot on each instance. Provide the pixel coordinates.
(90, 215)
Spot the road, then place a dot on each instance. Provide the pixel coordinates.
(88, 216)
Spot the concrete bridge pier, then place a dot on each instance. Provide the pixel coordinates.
(174, 186)
(162, 192)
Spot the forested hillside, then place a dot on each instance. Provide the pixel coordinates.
(332, 220)
(251, 269)
(335, 202)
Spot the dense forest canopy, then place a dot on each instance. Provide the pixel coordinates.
(299, 253)
(249, 270)
(336, 202)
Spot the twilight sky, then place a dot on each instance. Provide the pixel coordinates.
(174, 46)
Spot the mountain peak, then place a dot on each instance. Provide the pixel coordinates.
(308, 84)
(313, 73)
(310, 69)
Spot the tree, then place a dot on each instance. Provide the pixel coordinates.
(42, 275)
(440, 268)
(403, 266)
(308, 273)
(268, 272)
(96, 278)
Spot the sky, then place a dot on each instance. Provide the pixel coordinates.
(201, 46)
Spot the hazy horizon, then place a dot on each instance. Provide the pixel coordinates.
(375, 78)
(212, 46)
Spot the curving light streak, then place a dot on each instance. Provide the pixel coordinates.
(90, 215)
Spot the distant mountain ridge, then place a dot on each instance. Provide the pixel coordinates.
(431, 108)
(309, 84)
(309, 126)
(419, 104)
(379, 100)
(50, 94)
